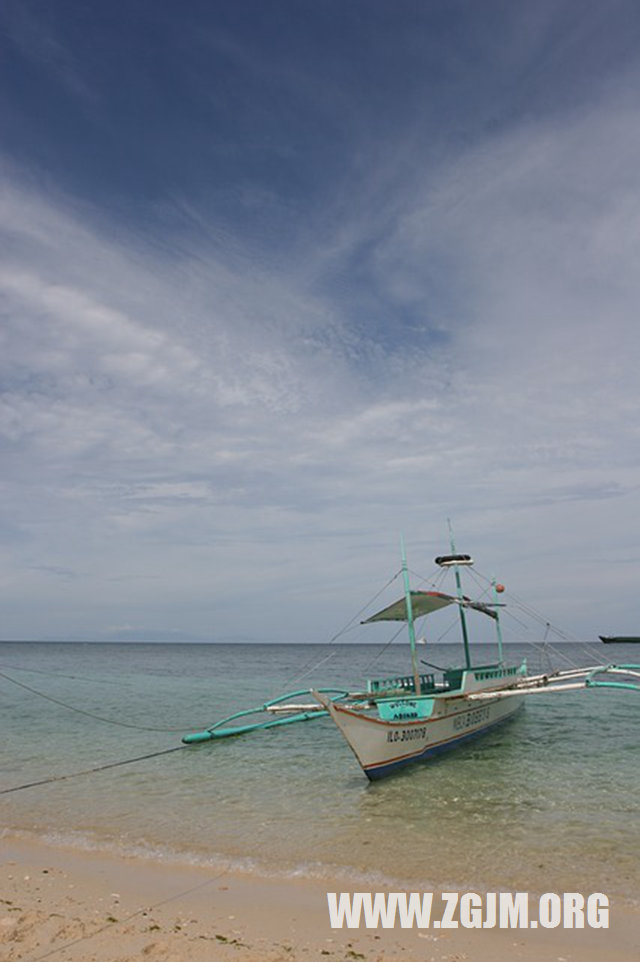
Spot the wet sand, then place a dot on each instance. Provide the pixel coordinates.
(67, 904)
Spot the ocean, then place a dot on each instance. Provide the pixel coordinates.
(548, 802)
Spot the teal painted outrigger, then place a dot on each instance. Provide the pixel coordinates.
(592, 682)
(413, 717)
(297, 714)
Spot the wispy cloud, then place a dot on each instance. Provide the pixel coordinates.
(449, 332)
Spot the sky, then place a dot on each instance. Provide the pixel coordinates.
(283, 281)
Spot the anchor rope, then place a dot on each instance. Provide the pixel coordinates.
(90, 771)
(83, 711)
(302, 672)
(60, 674)
(143, 911)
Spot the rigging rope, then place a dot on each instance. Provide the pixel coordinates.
(535, 615)
(544, 650)
(383, 649)
(311, 664)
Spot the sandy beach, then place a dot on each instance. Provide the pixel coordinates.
(61, 903)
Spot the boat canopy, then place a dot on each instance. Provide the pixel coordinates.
(423, 603)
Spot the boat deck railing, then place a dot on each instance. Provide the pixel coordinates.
(401, 684)
(489, 672)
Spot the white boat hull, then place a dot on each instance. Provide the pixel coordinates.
(382, 746)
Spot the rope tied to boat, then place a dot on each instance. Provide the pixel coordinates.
(83, 711)
(90, 771)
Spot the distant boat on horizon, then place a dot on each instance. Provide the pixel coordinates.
(620, 639)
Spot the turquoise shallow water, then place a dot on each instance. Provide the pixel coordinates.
(549, 802)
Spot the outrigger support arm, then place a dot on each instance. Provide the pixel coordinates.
(575, 678)
(630, 671)
(306, 714)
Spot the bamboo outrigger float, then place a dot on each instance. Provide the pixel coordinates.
(411, 718)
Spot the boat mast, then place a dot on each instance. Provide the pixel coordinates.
(463, 620)
(498, 626)
(412, 631)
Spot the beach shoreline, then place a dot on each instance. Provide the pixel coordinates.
(59, 902)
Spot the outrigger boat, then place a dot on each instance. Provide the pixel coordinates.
(412, 718)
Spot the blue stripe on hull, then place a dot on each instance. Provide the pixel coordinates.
(380, 771)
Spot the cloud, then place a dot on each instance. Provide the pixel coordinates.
(180, 418)
(535, 232)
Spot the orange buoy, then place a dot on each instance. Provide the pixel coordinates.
(499, 589)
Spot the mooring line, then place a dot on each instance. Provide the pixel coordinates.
(89, 771)
(143, 911)
(88, 714)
